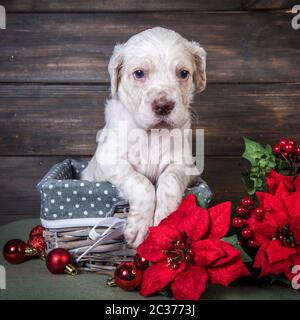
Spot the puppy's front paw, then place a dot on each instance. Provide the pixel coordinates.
(136, 231)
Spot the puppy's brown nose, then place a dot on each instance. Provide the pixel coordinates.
(162, 107)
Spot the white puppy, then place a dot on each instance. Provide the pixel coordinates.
(153, 78)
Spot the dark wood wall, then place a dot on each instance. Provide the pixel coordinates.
(54, 81)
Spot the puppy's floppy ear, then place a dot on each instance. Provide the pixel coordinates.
(199, 55)
(114, 68)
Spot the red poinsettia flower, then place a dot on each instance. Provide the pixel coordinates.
(277, 233)
(278, 183)
(186, 251)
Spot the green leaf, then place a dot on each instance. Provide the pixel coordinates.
(268, 148)
(252, 150)
(249, 184)
(233, 240)
(280, 278)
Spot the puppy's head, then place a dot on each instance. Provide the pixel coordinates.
(155, 74)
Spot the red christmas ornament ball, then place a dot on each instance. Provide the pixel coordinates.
(57, 260)
(37, 231)
(259, 212)
(14, 251)
(251, 243)
(237, 222)
(141, 262)
(246, 233)
(240, 210)
(284, 155)
(276, 149)
(128, 276)
(282, 142)
(288, 148)
(292, 142)
(246, 202)
(37, 243)
(297, 151)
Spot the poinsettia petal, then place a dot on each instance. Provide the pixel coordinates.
(188, 204)
(206, 252)
(158, 276)
(190, 284)
(261, 260)
(227, 273)
(229, 253)
(196, 223)
(189, 219)
(273, 258)
(274, 206)
(292, 203)
(159, 238)
(273, 179)
(277, 252)
(174, 220)
(220, 216)
(295, 225)
(282, 191)
(263, 230)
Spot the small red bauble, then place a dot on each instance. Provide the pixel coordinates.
(297, 151)
(128, 276)
(276, 149)
(240, 210)
(259, 212)
(37, 243)
(237, 222)
(291, 142)
(288, 148)
(58, 261)
(284, 155)
(37, 231)
(141, 262)
(14, 251)
(246, 233)
(251, 243)
(282, 142)
(246, 202)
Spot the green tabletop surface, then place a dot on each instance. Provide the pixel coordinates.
(32, 280)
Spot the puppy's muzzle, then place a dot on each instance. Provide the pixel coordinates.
(162, 106)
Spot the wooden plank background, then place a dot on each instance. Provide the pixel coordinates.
(54, 83)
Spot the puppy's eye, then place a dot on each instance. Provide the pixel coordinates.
(184, 74)
(139, 74)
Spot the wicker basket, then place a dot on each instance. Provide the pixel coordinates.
(88, 218)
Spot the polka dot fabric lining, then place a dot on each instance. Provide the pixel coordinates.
(66, 198)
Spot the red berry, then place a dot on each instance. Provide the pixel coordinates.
(291, 142)
(240, 210)
(259, 211)
(277, 149)
(237, 222)
(246, 202)
(251, 243)
(246, 233)
(288, 148)
(282, 142)
(284, 156)
(297, 151)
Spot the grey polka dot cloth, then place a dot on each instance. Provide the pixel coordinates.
(69, 202)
